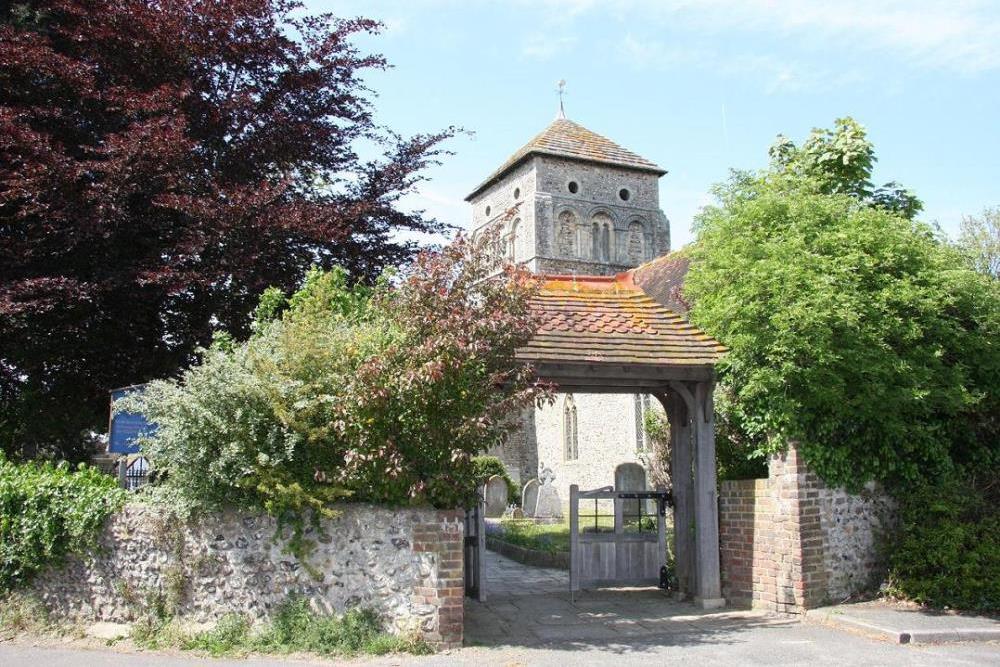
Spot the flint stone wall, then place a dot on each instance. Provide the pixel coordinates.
(404, 563)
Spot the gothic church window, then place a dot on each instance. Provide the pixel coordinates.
(642, 406)
(571, 443)
(636, 243)
(566, 234)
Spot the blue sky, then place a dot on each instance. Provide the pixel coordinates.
(698, 86)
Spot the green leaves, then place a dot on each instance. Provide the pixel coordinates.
(851, 330)
(377, 394)
(47, 512)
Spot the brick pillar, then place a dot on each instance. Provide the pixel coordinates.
(445, 588)
(798, 546)
(771, 537)
(737, 508)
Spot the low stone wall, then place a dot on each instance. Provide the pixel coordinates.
(789, 543)
(404, 563)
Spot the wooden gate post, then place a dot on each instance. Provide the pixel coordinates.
(706, 500)
(680, 476)
(574, 537)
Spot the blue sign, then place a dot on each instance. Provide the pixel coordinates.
(126, 427)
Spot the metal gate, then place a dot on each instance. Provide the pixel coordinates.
(624, 547)
(475, 547)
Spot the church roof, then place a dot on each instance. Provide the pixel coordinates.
(663, 279)
(566, 139)
(611, 320)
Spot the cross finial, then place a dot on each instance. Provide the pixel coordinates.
(561, 90)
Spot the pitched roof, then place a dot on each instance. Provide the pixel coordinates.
(564, 138)
(663, 279)
(597, 319)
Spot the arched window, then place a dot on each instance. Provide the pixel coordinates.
(601, 232)
(641, 408)
(566, 234)
(635, 248)
(571, 444)
(515, 228)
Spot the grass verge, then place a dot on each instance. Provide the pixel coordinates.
(294, 628)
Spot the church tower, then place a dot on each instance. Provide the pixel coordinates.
(573, 202)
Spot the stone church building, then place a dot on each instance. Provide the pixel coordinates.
(573, 203)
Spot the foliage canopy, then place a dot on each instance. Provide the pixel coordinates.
(161, 164)
(852, 329)
(979, 240)
(379, 394)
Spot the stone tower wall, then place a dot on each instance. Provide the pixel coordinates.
(555, 226)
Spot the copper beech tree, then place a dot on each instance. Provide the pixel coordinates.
(161, 163)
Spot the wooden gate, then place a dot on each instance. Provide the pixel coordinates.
(626, 546)
(475, 547)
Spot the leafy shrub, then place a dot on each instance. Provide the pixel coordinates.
(378, 394)
(48, 511)
(947, 551)
(484, 467)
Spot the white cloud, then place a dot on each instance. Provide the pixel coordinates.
(775, 75)
(960, 35)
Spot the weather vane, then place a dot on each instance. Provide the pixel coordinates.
(561, 90)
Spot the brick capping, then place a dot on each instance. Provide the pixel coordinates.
(789, 543)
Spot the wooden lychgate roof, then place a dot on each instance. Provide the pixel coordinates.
(608, 327)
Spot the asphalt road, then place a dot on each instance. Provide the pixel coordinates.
(795, 644)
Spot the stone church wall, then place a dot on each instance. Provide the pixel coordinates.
(606, 438)
(789, 543)
(404, 563)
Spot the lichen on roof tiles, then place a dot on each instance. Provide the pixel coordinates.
(611, 319)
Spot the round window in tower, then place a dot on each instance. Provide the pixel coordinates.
(624, 194)
(517, 193)
(573, 187)
(488, 209)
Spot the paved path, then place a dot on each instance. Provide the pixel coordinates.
(905, 624)
(507, 578)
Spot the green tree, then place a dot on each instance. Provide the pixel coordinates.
(852, 329)
(840, 161)
(979, 240)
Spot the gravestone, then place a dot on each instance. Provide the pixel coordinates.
(548, 507)
(529, 497)
(630, 477)
(496, 496)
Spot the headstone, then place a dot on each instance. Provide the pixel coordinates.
(496, 496)
(548, 507)
(630, 477)
(529, 497)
